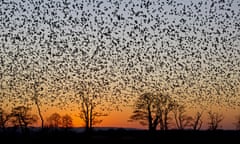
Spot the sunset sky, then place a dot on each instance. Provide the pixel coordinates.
(115, 50)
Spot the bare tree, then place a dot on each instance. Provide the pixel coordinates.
(214, 120)
(67, 121)
(4, 118)
(182, 120)
(36, 91)
(54, 120)
(147, 111)
(89, 114)
(237, 123)
(197, 121)
(21, 117)
(153, 109)
(167, 105)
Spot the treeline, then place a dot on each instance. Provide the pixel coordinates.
(156, 110)
(159, 110)
(22, 118)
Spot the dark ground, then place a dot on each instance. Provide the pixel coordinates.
(122, 136)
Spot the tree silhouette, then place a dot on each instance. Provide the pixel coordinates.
(36, 101)
(237, 123)
(153, 109)
(147, 111)
(54, 120)
(67, 121)
(197, 122)
(214, 120)
(167, 105)
(182, 120)
(21, 117)
(4, 118)
(89, 114)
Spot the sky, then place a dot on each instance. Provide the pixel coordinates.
(115, 50)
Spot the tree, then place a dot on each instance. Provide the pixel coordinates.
(237, 123)
(153, 109)
(181, 119)
(21, 117)
(4, 117)
(214, 120)
(36, 101)
(167, 105)
(54, 120)
(67, 121)
(147, 111)
(197, 121)
(89, 114)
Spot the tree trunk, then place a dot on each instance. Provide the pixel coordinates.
(161, 123)
(91, 117)
(38, 107)
(165, 120)
(40, 115)
(150, 126)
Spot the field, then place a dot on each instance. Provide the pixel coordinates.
(123, 136)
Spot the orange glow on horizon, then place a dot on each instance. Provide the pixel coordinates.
(120, 118)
